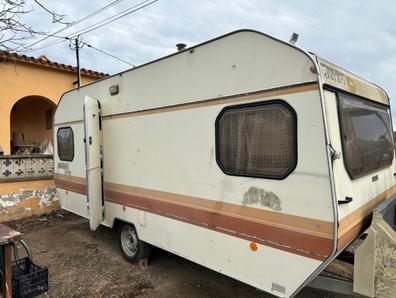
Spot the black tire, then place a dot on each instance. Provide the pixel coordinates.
(132, 248)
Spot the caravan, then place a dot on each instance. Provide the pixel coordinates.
(245, 154)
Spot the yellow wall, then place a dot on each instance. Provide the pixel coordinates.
(11, 187)
(19, 79)
(32, 124)
(24, 199)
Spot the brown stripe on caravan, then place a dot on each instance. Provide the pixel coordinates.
(223, 100)
(297, 88)
(305, 225)
(354, 224)
(354, 232)
(357, 216)
(247, 228)
(303, 236)
(71, 183)
(295, 223)
(68, 123)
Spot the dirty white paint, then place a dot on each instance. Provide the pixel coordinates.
(47, 196)
(6, 204)
(258, 196)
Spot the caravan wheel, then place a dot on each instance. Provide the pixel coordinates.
(131, 246)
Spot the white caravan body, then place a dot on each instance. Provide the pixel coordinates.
(232, 154)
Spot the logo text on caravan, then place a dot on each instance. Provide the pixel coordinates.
(338, 78)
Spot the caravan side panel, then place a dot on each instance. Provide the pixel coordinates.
(165, 180)
(161, 172)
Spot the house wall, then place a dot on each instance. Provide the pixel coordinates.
(33, 88)
(23, 199)
(32, 124)
(19, 80)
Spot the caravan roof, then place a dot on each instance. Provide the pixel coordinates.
(222, 66)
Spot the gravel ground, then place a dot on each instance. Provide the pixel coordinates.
(85, 264)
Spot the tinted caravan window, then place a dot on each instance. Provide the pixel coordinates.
(65, 140)
(366, 135)
(257, 140)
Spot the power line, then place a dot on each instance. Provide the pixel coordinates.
(98, 11)
(91, 28)
(32, 32)
(102, 23)
(108, 54)
(115, 17)
(47, 45)
(78, 21)
(36, 32)
(83, 43)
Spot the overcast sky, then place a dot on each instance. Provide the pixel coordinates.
(357, 35)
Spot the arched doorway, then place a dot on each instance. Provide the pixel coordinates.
(31, 125)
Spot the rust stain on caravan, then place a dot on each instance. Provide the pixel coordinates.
(303, 236)
(266, 199)
(292, 89)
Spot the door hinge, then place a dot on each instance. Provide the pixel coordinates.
(334, 153)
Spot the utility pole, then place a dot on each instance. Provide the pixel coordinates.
(78, 61)
(77, 44)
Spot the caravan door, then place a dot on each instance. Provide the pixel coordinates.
(360, 134)
(93, 161)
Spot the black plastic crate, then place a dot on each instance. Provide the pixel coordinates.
(28, 279)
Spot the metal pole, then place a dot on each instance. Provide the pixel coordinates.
(78, 63)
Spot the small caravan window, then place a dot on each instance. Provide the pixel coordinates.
(366, 135)
(65, 140)
(257, 140)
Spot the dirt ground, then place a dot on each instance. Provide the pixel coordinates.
(85, 264)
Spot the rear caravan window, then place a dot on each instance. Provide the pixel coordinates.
(366, 134)
(257, 140)
(65, 140)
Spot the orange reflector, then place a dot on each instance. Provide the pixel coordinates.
(253, 246)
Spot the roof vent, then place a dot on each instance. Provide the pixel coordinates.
(181, 46)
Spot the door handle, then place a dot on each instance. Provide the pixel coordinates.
(346, 201)
(90, 140)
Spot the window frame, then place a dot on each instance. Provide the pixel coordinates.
(57, 141)
(258, 104)
(369, 102)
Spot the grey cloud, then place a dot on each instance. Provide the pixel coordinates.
(357, 35)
